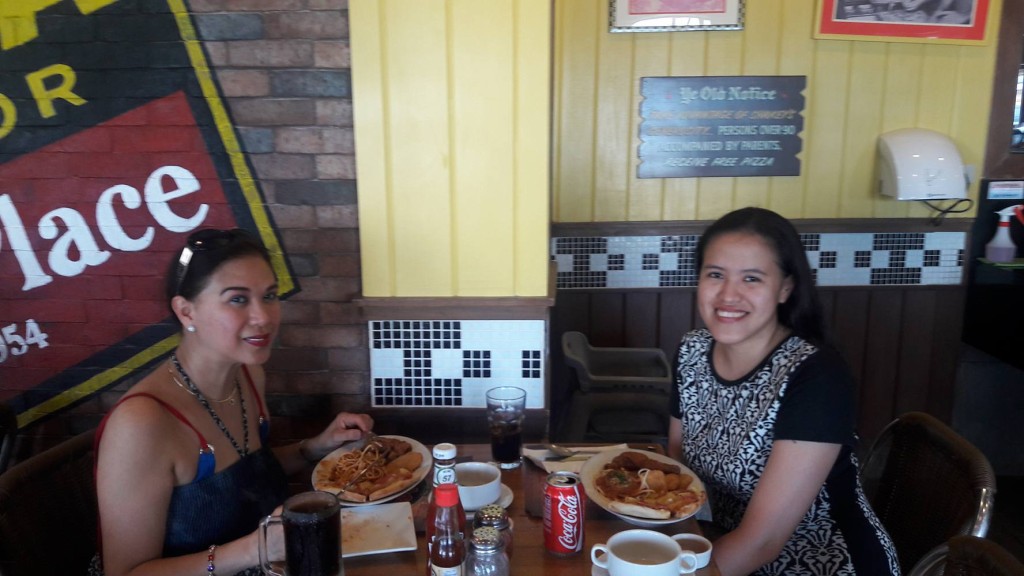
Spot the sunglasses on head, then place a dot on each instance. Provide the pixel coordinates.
(205, 241)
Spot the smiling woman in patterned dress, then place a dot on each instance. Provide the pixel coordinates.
(763, 412)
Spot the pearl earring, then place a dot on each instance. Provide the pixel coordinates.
(191, 329)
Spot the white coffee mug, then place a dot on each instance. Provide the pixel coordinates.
(479, 484)
(643, 553)
(699, 545)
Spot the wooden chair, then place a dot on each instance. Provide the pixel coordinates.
(927, 484)
(8, 434)
(968, 556)
(621, 394)
(48, 511)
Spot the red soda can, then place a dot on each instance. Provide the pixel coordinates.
(564, 501)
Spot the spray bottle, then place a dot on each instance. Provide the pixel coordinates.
(1001, 248)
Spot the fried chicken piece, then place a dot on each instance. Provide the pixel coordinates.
(617, 483)
(637, 461)
(392, 448)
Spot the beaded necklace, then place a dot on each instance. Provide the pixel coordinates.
(194, 390)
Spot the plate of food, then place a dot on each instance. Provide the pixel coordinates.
(643, 488)
(364, 473)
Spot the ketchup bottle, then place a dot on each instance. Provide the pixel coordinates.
(447, 546)
(444, 473)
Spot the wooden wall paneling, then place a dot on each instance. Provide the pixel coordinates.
(678, 316)
(999, 161)
(849, 322)
(606, 319)
(574, 102)
(642, 317)
(796, 56)
(643, 195)
(571, 312)
(687, 53)
(856, 199)
(902, 97)
(946, 343)
(828, 93)
(881, 361)
(483, 172)
(760, 57)
(902, 343)
(613, 130)
(914, 371)
(828, 301)
(418, 110)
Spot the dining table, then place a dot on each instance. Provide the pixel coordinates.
(526, 513)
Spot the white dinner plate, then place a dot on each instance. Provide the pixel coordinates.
(324, 466)
(596, 464)
(377, 529)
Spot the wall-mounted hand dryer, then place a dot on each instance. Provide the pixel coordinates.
(919, 164)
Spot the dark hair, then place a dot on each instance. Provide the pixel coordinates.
(209, 249)
(801, 312)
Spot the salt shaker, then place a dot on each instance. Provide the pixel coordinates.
(486, 555)
(495, 516)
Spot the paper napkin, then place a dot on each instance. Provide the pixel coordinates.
(548, 461)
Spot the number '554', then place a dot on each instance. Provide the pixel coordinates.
(14, 344)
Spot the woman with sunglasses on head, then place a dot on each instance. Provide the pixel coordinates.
(184, 472)
(763, 411)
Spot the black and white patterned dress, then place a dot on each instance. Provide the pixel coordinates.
(799, 392)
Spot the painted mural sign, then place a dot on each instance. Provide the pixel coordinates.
(720, 126)
(114, 146)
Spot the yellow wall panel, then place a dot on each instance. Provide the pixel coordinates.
(421, 148)
(613, 124)
(451, 101)
(365, 21)
(482, 120)
(575, 102)
(796, 57)
(862, 127)
(532, 191)
(902, 97)
(687, 55)
(644, 194)
(855, 91)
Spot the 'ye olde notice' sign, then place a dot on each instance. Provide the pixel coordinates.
(721, 126)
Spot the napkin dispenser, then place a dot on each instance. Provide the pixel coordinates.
(920, 164)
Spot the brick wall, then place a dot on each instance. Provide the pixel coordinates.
(284, 69)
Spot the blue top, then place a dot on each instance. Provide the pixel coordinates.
(217, 507)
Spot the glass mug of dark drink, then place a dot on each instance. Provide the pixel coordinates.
(312, 536)
(506, 407)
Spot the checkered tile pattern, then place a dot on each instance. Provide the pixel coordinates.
(452, 363)
(855, 259)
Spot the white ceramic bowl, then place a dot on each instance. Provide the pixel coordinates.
(479, 484)
(699, 545)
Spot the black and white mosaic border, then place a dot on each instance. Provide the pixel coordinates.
(452, 363)
(837, 259)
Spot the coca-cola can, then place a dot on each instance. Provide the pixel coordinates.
(564, 502)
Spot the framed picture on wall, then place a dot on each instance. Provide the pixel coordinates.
(927, 21)
(674, 15)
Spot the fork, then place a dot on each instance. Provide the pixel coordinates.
(371, 439)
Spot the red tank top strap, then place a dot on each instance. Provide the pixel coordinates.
(203, 444)
(252, 386)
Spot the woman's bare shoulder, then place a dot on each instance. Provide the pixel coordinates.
(141, 418)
